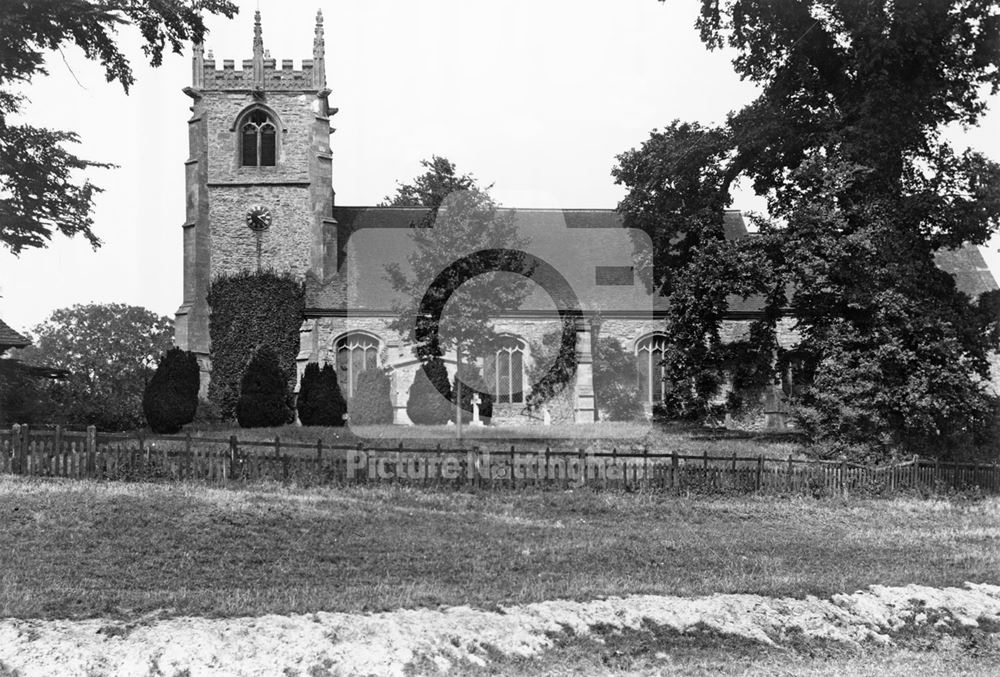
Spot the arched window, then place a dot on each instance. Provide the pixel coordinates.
(649, 358)
(355, 353)
(259, 145)
(505, 370)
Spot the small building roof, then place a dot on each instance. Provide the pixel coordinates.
(10, 338)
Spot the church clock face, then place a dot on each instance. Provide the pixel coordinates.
(259, 218)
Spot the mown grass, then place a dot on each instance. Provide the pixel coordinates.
(602, 436)
(83, 549)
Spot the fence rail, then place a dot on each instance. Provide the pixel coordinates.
(77, 454)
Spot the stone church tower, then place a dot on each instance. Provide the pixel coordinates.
(259, 175)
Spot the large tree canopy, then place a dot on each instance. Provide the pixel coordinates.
(846, 143)
(110, 352)
(40, 187)
(461, 219)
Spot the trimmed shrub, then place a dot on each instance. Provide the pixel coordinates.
(263, 393)
(429, 401)
(320, 400)
(372, 402)
(305, 403)
(250, 310)
(171, 397)
(472, 382)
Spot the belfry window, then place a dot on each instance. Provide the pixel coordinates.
(258, 141)
(649, 363)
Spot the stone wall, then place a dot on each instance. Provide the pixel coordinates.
(285, 246)
(319, 337)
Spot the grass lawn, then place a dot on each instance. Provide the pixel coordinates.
(603, 436)
(83, 549)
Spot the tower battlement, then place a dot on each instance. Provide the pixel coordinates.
(285, 78)
(262, 73)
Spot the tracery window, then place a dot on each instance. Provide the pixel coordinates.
(649, 358)
(355, 353)
(259, 145)
(505, 370)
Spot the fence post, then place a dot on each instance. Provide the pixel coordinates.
(60, 460)
(843, 476)
(26, 455)
(91, 449)
(361, 450)
(673, 468)
(15, 449)
(760, 473)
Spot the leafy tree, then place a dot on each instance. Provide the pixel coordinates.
(39, 193)
(429, 400)
(458, 247)
(109, 351)
(845, 143)
(616, 388)
(24, 394)
(263, 392)
(171, 397)
(320, 401)
(372, 401)
(432, 187)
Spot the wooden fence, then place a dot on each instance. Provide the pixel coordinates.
(56, 452)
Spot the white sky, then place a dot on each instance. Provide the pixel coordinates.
(535, 97)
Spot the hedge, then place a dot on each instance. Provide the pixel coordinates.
(372, 402)
(250, 310)
(320, 401)
(263, 393)
(171, 396)
(429, 401)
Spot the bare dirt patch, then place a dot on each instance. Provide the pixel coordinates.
(460, 639)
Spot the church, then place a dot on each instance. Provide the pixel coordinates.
(259, 193)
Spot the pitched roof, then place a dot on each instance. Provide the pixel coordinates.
(369, 238)
(969, 269)
(10, 338)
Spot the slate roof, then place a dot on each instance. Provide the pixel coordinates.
(372, 237)
(10, 338)
(969, 269)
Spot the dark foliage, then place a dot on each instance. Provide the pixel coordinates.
(24, 394)
(38, 193)
(250, 310)
(372, 403)
(432, 187)
(845, 142)
(429, 400)
(320, 400)
(263, 392)
(109, 351)
(171, 397)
